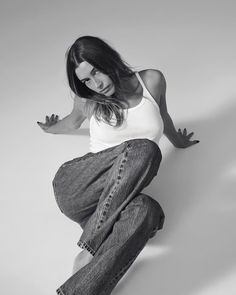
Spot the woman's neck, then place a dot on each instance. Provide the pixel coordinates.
(130, 86)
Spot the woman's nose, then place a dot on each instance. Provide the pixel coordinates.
(98, 83)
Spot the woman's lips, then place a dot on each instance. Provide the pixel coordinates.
(106, 89)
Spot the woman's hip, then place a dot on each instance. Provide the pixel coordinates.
(82, 169)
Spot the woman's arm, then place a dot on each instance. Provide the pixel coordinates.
(157, 85)
(68, 124)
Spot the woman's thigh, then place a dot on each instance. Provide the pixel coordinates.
(79, 182)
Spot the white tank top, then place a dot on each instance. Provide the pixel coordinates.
(141, 121)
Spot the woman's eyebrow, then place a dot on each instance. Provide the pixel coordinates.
(93, 70)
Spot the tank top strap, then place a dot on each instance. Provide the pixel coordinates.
(146, 93)
(140, 81)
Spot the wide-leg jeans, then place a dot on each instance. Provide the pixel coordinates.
(102, 193)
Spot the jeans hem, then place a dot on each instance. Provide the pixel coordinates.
(84, 245)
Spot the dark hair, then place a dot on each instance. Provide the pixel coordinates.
(104, 58)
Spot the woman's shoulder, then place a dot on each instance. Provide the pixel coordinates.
(81, 104)
(153, 80)
(152, 77)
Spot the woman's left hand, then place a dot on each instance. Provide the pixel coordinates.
(184, 139)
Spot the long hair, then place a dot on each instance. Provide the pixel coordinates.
(107, 60)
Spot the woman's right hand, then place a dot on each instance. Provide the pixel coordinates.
(49, 121)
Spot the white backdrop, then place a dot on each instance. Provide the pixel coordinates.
(193, 43)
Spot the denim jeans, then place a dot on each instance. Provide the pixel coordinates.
(102, 193)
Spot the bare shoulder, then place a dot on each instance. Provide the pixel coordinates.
(154, 80)
(83, 106)
(80, 106)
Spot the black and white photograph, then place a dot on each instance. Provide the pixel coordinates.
(118, 148)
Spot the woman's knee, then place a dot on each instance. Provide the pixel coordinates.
(153, 213)
(67, 200)
(73, 209)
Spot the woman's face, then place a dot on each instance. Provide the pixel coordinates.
(94, 79)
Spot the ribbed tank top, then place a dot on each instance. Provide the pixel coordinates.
(141, 121)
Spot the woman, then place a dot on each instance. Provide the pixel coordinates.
(102, 189)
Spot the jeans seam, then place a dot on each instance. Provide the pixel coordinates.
(84, 245)
(110, 196)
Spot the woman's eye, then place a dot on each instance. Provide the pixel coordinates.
(86, 81)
